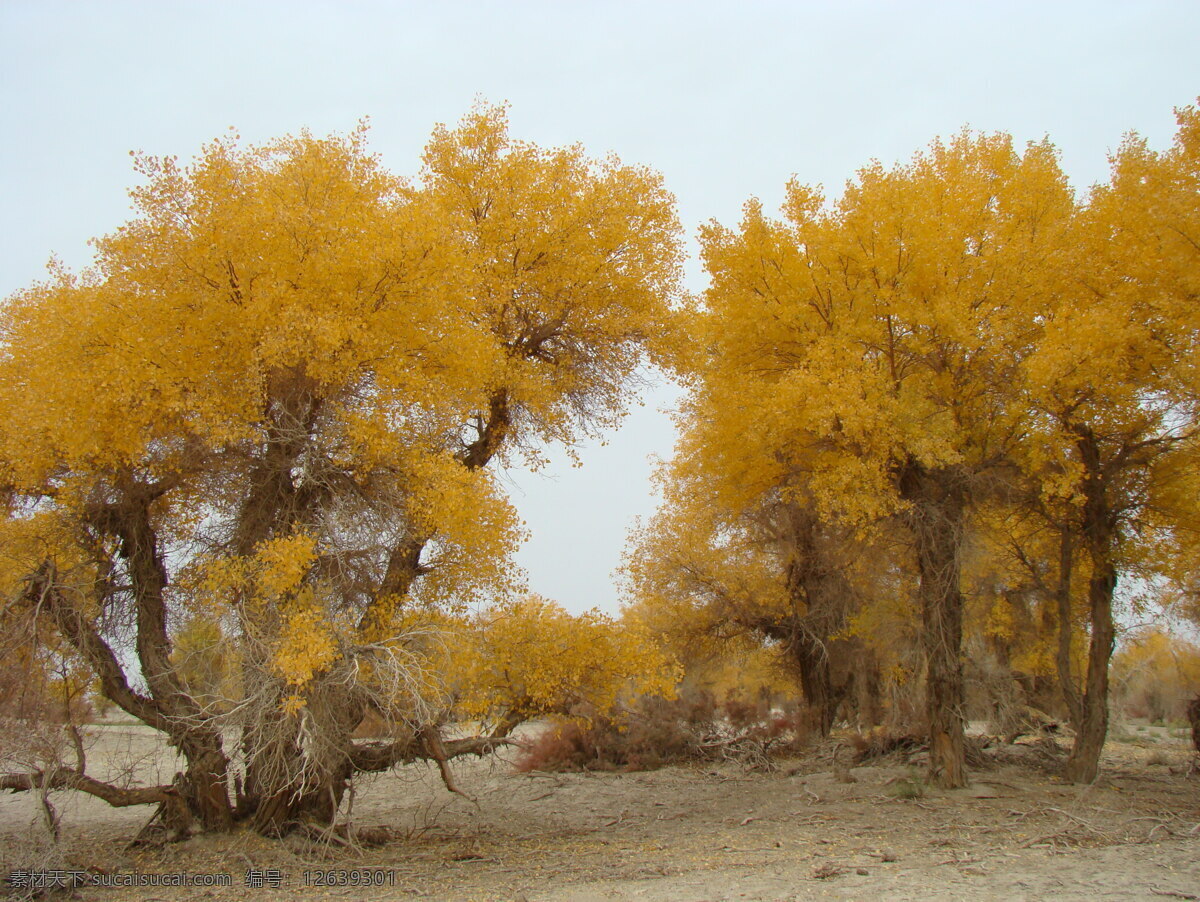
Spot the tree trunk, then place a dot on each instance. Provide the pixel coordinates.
(868, 689)
(281, 809)
(289, 781)
(205, 787)
(813, 663)
(1083, 766)
(820, 596)
(1062, 598)
(936, 519)
(1193, 714)
(1100, 534)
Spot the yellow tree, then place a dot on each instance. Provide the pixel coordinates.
(873, 346)
(1157, 673)
(1115, 385)
(530, 658)
(271, 404)
(727, 558)
(1030, 617)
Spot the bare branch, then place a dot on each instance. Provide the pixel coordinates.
(66, 778)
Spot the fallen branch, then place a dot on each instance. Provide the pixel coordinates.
(1172, 893)
(1081, 822)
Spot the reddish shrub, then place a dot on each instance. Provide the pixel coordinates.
(655, 732)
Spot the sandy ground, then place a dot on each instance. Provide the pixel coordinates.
(703, 833)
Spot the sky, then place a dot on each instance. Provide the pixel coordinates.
(727, 100)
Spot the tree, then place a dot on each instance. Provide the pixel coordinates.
(530, 658)
(874, 346)
(723, 559)
(1114, 382)
(1157, 673)
(1026, 565)
(272, 405)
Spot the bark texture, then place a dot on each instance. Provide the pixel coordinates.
(936, 517)
(1099, 535)
(1062, 659)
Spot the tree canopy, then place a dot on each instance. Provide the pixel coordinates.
(952, 336)
(273, 402)
(248, 458)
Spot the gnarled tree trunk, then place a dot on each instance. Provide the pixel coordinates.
(936, 517)
(820, 597)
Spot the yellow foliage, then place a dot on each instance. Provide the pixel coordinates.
(273, 400)
(531, 658)
(307, 647)
(885, 329)
(281, 564)
(1156, 674)
(960, 323)
(207, 662)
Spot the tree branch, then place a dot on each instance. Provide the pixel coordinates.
(478, 453)
(375, 756)
(66, 778)
(41, 590)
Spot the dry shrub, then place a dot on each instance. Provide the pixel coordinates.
(741, 715)
(1044, 754)
(654, 732)
(39, 734)
(907, 788)
(884, 742)
(653, 735)
(562, 747)
(30, 746)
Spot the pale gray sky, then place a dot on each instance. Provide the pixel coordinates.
(726, 100)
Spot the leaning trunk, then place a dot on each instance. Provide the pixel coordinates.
(936, 518)
(201, 794)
